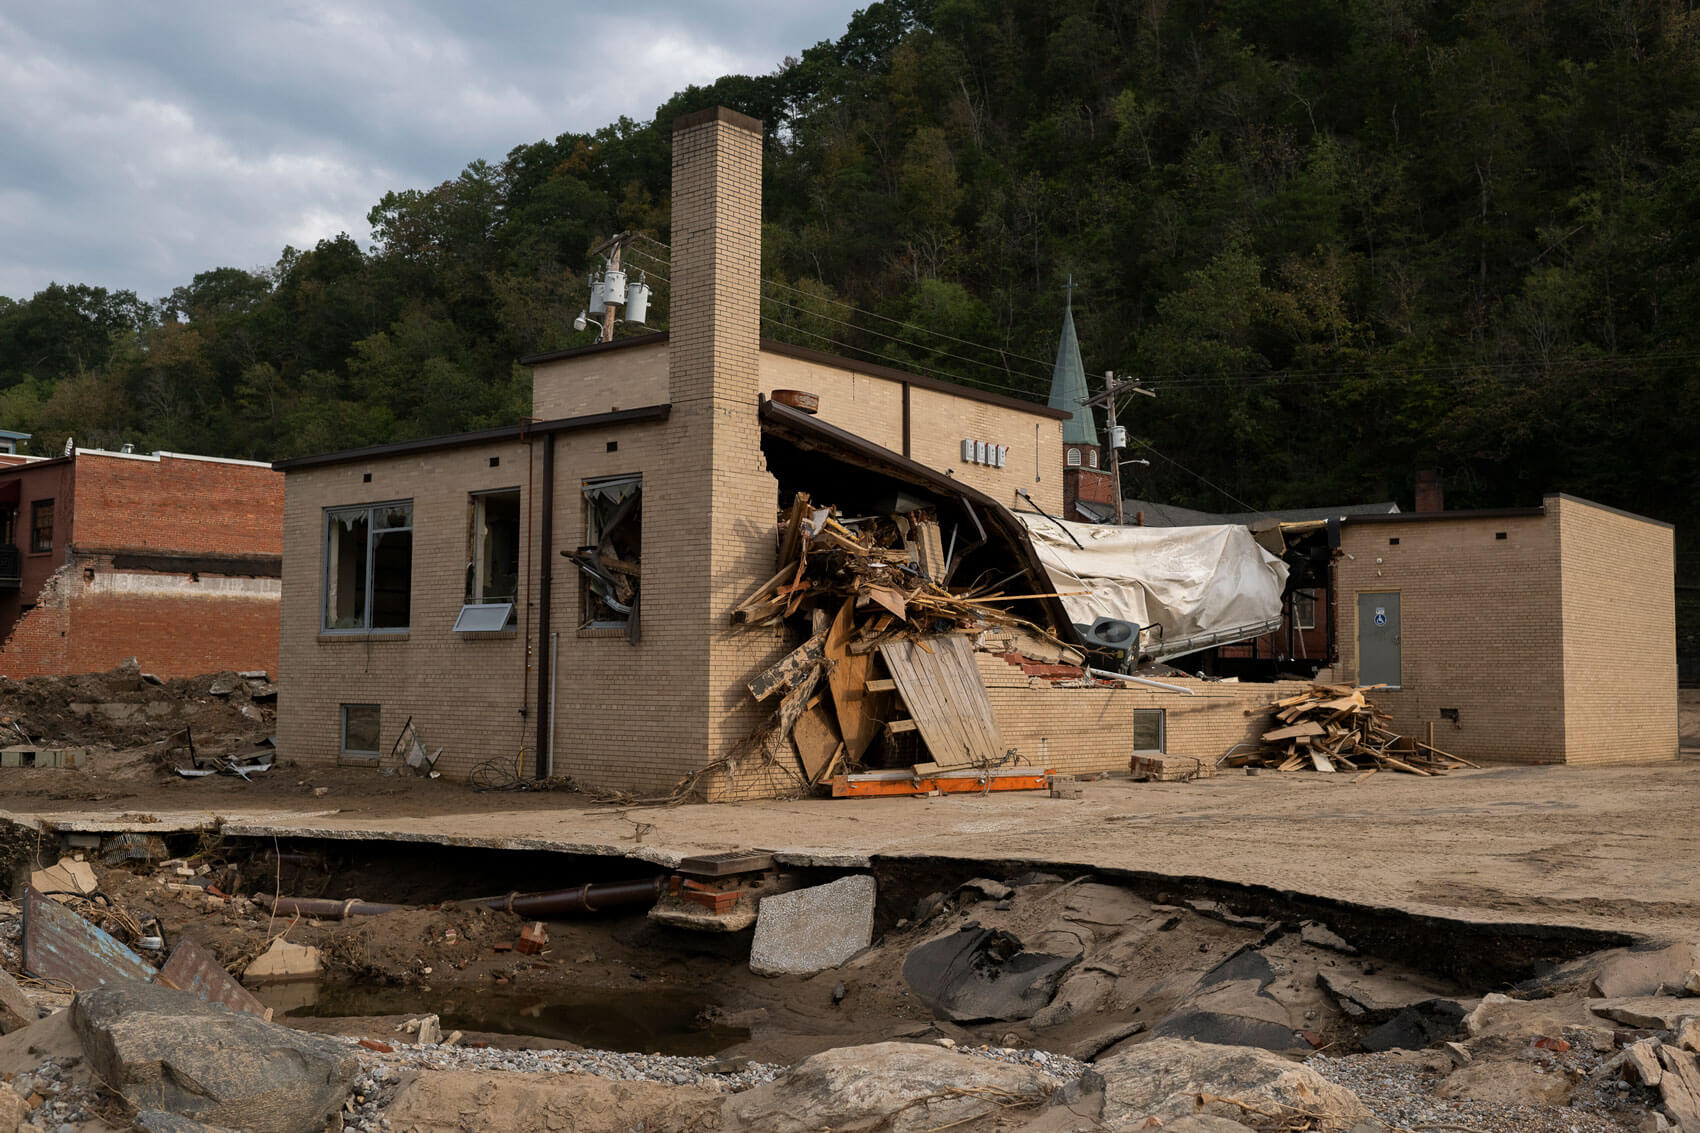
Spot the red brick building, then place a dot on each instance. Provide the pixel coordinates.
(174, 560)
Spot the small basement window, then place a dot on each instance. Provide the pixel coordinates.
(360, 725)
(611, 561)
(1148, 731)
(492, 572)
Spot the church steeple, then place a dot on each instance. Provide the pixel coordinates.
(1068, 383)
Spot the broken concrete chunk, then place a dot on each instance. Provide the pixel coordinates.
(1506, 1083)
(1647, 969)
(1478, 1020)
(894, 1085)
(430, 1030)
(166, 1050)
(284, 961)
(1165, 1078)
(986, 887)
(1458, 1053)
(1688, 1035)
(810, 930)
(1691, 983)
(1418, 1026)
(69, 876)
(1680, 1087)
(978, 974)
(1321, 936)
(1238, 1013)
(1641, 1062)
(1377, 997)
(1646, 1012)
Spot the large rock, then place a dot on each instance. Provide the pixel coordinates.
(1650, 1012)
(885, 1086)
(1506, 1083)
(809, 930)
(1375, 998)
(1165, 1078)
(16, 1010)
(1646, 969)
(166, 1050)
(977, 974)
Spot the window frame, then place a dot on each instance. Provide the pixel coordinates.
(376, 752)
(472, 602)
(1312, 600)
(589, 607)
(326, 529)
(1162, 732)
(1074, 460)
(36, 508)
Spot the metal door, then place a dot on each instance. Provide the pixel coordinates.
(1379, 660)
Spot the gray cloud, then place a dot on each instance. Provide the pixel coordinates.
(146, 143)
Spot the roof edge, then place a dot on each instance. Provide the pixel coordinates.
(482, 436)
(1568, 498)
(1430, 516)
(874, 369)
(594, 348)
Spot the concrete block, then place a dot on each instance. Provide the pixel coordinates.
(809, 930)
(284, 961)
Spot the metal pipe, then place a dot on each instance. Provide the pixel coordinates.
(326, 908)
(1109, 676)
(545, 599)
(590, 898)
(554, 657)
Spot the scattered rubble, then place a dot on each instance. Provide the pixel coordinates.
(1338, 728)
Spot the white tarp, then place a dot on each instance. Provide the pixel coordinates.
(1192, 581)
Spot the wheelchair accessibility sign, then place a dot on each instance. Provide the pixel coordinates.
(1381, 615)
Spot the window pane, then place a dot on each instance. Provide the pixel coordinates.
(497, 553)
(360, 729)
(393, 516)
(1147, 729)
(345, 571)
(392, 579)
(41, 526)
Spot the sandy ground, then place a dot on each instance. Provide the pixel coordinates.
(1604, 848)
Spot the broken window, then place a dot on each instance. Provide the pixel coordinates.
(369, 566)
(492, 575)
(1304, 609)
(360, 730)
(1148, 730)
(610, 562)
(41, 526)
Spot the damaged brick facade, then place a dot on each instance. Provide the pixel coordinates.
(170, 559)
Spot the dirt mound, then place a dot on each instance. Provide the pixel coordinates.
(125, 708)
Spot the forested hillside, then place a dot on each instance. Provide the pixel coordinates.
(1344, 239)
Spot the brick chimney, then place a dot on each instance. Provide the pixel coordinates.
(1431, 495)
(715, 322)
(714, 501)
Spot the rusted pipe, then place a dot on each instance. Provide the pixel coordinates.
(326, 907)
(590, 898)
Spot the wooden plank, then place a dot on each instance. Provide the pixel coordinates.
(901, 726)
(789, 669)
(816, 738)
(1362, 775)
(848, 681)
(941, 687)
(891, 599)
(1320, 762)
(1308, 728)
(882, 684)
(832, 765)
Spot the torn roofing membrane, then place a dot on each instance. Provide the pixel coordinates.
(1194, 582)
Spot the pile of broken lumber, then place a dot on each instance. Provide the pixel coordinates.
(894, 567)
(886, 647)
(1338, 728)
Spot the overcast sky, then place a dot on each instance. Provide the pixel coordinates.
(141, 143)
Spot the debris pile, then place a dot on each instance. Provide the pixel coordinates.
(1338, 728)
(874, 590)
(128, 708)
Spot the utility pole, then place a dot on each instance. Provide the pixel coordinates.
(619, 244)
(1110, 387)
(1118, 435)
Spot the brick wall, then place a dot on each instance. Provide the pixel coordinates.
(1077, 730)
(173, 503)
(1619, 616)
(1093, 485)
(600, 381)
(1481, 624)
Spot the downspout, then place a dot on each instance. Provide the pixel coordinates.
(545, 600)
(905, 418)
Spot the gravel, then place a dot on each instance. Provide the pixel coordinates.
(1401, 1095)
(381, 1073)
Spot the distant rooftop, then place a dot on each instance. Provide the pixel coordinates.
(1171, 515)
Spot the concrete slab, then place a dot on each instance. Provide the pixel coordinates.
(810, 930)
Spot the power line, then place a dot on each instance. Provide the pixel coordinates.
(1148, 446)
(998, 350)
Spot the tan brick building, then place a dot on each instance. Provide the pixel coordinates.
(553, 597)
(1532, 635)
